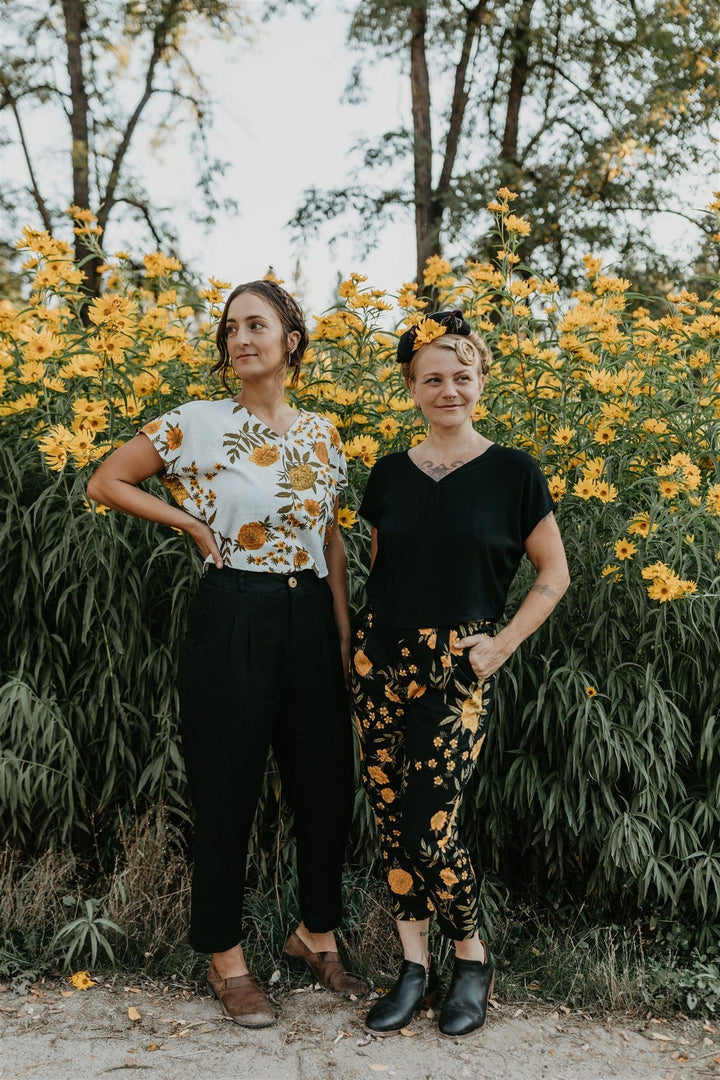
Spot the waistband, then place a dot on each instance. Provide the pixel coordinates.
(471, 626)
(246, 581)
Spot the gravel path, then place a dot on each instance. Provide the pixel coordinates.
(51, 1032)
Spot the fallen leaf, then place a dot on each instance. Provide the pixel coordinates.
(133, 1014)
(153, 1046)
(407, 1032)
(663, 1038)
(66, 993)
(379, 1068)
(274, 978)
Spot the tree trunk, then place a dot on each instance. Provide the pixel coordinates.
(427, 233)
(74, 15)
(518, 79)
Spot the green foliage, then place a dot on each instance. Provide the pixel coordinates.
(598, 782)
(85, 934)
(591, 111)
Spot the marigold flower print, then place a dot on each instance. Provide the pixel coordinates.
(174, 438)
(252, 536)
(264, 455)
(400, 881)
(388, 795)
(361, 663)
(471, 711)
(300, 559)
(301, 477)
(475, 752)
(377, 774)
(449, 876)
(437, 821)
(452, 643)
(321, 452)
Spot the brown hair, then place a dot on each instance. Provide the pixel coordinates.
(289, 312)
(469, 349)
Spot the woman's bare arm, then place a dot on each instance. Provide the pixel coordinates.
(544, 548)
(115, 484)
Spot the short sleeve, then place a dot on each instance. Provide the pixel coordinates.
(537, 502)
(371, 501)
(167, 434)
(336, 458)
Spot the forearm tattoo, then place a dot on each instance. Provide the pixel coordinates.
(545, 590)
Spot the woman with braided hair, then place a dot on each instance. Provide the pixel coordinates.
(266, 656)
(451, 520)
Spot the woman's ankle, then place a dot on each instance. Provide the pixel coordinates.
(473, 949)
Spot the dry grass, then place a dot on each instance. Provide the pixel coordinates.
(539, 955)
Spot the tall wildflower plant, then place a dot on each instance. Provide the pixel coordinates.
(600, 778)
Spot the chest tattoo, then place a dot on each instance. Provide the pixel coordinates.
(438, 471)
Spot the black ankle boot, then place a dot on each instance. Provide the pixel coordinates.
(464, 1009)
(415, 989)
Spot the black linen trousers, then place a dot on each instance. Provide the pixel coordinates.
(261, 667)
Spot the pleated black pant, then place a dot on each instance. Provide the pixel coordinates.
(260, 668)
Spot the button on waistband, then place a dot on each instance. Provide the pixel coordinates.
(292, 582)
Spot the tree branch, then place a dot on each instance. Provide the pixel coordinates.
(34, 187)
(159, 44)
(473, 26)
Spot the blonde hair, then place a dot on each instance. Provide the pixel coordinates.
(469, 349)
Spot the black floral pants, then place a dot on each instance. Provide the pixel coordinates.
(422, 718)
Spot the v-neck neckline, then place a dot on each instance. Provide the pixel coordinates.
(452, 472)
(266, 427)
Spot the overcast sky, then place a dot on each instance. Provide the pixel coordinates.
(279, 120)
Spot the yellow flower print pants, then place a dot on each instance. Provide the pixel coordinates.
(422, 717)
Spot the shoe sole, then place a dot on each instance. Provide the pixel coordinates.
(303, 967)
(235, 1019)
(427, 1003)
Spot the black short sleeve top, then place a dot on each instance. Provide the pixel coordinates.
(449, 549)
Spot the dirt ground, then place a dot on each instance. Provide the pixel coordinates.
(49, 1031)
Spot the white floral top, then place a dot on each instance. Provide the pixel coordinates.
(268, 498)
